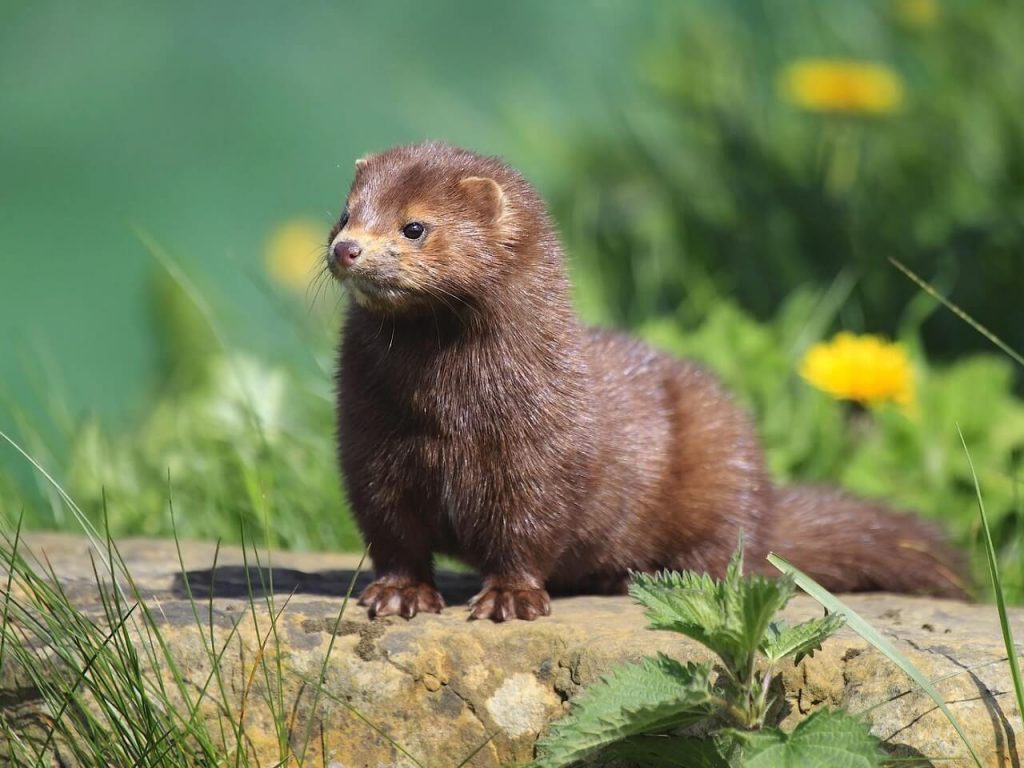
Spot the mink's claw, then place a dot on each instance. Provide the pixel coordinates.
(387, 597)
(503, 603)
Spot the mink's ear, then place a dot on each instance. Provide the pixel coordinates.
(362, 161)
(486, 195)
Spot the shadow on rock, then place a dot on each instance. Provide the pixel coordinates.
(904, 754)
(238, 581)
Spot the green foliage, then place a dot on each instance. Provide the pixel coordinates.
(248, 446)
(733, 617)
(797, 641)
(729, 616)
(651, 696)
(673, 752)
(243, 445)
(826, 739)
(715, 184)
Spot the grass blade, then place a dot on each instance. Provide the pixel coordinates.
(997, 586)
(370, 724)
(80, 516)
(860, 625)
(925, 286)
(471, 755)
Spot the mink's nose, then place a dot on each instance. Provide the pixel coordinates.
(346, 252)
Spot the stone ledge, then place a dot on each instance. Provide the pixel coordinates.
(440, 686)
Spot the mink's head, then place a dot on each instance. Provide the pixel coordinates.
(430, 224)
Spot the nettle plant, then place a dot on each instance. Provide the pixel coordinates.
(648, 712)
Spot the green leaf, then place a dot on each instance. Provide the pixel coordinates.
(859, 624)
(684, 602)
(653, 695)
(760, 600)
(668, 752)
(802, 639)
(826, 739)
(734, 571)
(731, 617)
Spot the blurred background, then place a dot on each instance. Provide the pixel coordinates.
(731, 180)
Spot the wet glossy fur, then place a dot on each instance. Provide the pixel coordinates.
(478, 418)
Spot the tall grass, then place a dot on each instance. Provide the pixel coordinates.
(102, 685)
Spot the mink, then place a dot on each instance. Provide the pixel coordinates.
(479, 418)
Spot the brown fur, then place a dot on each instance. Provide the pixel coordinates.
(478, 418)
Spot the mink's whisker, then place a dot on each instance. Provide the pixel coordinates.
(432, 291)
(457, 298)
(320, 281)
(441, 300)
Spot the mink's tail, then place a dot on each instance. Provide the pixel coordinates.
(849, 544)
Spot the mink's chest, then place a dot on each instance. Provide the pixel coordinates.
(462, 460)
(455, 423)
(463, 435)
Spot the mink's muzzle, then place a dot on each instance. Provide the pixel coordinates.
(341, 256)
(374, 273)
(345, 252)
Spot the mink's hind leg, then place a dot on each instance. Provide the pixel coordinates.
(608, 583)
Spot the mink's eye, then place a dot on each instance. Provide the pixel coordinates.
(413, 230)
(338, 226)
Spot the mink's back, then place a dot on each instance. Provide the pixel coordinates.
(681, 473)
(678, 470)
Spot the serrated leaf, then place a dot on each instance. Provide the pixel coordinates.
(800, 640)
(730, 617)
(734, 571)
(826, 739)
(668, 752)
(760, 600)
(684, 602)
(653, 695)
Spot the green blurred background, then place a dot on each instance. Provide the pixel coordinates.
(711, 200)
(207, 126)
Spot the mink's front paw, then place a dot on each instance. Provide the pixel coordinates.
(405, 598)
(500, 602)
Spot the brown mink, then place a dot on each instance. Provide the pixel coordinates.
(477, 417)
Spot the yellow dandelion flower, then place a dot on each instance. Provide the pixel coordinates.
(833, 85)
(917, 13)
(293, 252)
(867, 369)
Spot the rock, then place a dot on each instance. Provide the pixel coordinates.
(437, 689)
